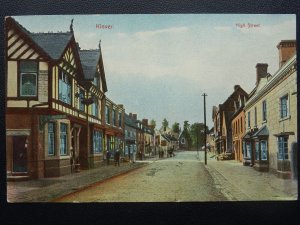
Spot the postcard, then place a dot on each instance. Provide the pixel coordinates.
(151, 108)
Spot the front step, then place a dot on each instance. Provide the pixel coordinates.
(17, 178)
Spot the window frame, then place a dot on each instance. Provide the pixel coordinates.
(65, 135)
(21, 73)
(53, 139)
(283, 149)
(97, 141)
(281, 110)
(66, 79)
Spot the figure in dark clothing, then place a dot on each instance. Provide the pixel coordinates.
(107, 157)
(117, 157)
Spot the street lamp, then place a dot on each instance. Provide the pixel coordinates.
(205, 158)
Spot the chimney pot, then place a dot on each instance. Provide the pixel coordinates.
(287, 49)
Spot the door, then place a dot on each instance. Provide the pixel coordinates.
(19, 154)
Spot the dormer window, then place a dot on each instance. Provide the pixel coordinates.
(28, 78)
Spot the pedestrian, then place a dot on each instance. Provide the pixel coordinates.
(117, 157)
(107, 157)
(133, 154)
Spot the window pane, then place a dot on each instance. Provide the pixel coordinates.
(51, 136)
(63, 139)
(263, 147)
(28, 84)
(257, 150)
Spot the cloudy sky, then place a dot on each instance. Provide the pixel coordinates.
(158, 66)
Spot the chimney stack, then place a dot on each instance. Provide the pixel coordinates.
(236, 87)
(145, 122)
(130, 115)
(261, 71)
(287, 48)
(134, 116)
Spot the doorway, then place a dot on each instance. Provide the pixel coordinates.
(19, 154)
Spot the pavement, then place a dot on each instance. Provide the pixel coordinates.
(235, 181)
(49, 189)
(244, 183)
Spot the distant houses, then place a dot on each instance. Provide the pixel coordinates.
(260, 128)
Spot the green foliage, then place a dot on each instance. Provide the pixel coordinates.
(175, 127)
(165, 123)
(153, 122)
(197, 132)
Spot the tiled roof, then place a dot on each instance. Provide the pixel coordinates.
(52, 43)
(129, 121)
(89, 60)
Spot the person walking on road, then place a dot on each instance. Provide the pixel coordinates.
(117, 156)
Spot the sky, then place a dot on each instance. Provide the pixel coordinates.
(159, 65)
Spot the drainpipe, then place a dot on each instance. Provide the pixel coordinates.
(33, 143)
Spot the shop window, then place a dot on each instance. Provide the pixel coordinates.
(97, 141)
(28, 78)
(64, 88)
(283, 147)
(257, 150)
(63, 138)
(51, 139)
(264, 150)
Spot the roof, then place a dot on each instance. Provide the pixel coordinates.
(53, 44)
(129, 121)
(89, 60)
(263, 131)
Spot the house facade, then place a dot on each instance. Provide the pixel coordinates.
(55, 114)
(271, 115)
(238, 127)
(222, 117)
(130, 134)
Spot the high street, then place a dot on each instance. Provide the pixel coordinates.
(185, 178)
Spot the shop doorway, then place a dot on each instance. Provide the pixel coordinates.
(19, 154)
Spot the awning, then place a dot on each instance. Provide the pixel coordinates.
(262, 132)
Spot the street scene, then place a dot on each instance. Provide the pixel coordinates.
(151, 108)
(183, 178)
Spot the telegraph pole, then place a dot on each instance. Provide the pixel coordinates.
(205, 152)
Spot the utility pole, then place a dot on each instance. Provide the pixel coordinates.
(205, 152)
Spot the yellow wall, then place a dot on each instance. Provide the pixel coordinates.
(12, 79)
(274, 124)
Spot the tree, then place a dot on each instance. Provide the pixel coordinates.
(153, 123)
(165, 124)
(175, 127)
(197, 134)
(186, 133)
